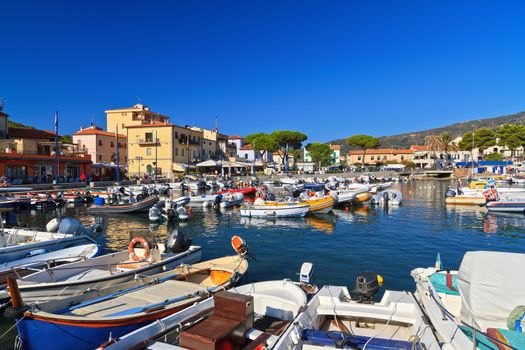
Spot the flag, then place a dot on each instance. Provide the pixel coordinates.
(56, 119)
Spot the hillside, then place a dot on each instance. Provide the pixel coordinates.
(455, 130)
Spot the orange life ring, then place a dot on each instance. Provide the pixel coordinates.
(131, 249)
(490, 194)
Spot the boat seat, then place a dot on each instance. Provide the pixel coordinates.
(207, 334)
(445, 283)
(349, 341)
(131, 265)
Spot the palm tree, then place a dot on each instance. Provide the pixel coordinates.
(441, 143)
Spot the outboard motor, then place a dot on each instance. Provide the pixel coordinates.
(122, 190)
(450, 193)
(52, 226)
(218, 199)
(366, 287)
(270, 196)
(177, 243)
(70, 226)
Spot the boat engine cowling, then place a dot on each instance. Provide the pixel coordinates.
(53, 225)
(70, 226)
(177, 242)
(450, 193)
(366, 287)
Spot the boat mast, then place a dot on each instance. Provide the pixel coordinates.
(57, 177)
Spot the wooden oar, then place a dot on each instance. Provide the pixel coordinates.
(151, 307)
(124, 291)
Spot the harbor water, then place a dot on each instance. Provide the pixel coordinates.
(341, 244)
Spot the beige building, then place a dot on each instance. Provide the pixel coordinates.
(137, 115)
(373, 156)
(101, 145)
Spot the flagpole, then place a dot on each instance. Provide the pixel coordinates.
(286, 157)
(57, 176)
(116, 158)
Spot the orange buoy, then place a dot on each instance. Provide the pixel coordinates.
(239, 245)
(131, 249)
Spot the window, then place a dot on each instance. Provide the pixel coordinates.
(246, 156)
(495, 149)
(124, 113)
(358, 157)
(148, 136)
(148, 151)
(402, 157)
(176, 151)
(111, 144)
(122, 126)
(99, 157)
(182, 153)
(371, 157)
(176, 135)
(100, 142)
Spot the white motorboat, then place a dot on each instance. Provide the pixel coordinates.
(264, 311)
(388, 198)
(260, 209)
(510, 205)
(207, 199)
(229, 200)
(335, 319)
(476, 303)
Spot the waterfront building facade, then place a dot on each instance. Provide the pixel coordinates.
(138, 114)
(380, 155)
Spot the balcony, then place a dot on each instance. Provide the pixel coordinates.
(148, 142)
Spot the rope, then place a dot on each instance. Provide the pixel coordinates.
(11, 328)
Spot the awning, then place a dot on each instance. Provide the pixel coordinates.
(181, 167)
(208, 163)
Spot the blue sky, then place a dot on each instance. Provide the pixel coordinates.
(328, 68)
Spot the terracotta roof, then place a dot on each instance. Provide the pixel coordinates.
(93, 131)
(153, 125)
(419, 148)
(246, 147)
(235, 137)
(24, 133)
(382, 151)
(335, 147)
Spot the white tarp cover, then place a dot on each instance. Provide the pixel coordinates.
(491, 285)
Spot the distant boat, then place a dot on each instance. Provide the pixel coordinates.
(245, 191)
(513, 206)
(275, 210)
(140, 206)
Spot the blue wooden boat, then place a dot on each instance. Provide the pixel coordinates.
(88, 320)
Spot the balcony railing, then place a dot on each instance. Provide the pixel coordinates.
(148, 141)
(63, 153)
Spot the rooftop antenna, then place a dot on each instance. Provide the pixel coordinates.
(139, 100)
(216, 124)
(92, 120)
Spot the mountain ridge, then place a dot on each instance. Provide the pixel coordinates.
(405, 140)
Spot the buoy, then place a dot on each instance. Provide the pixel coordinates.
(190, 210)
(380, 280)
(346, 209)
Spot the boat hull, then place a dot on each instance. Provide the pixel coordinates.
(466, 200)
(321, 205)
(276, 211)
(142, 206)
(510, 207)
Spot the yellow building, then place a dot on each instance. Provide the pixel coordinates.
(137, 115)
(164, 147)
(373, 156)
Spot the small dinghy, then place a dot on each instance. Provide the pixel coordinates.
(19, 243)
(140, 206)
(231, 200)
(85, 321)
(204, 200)
(42, 259)
(387, 198)
(511, 205)
(168, 209)
(107, 270)
(263, 312)
(336, 319)
(478, 307)
(260, 209)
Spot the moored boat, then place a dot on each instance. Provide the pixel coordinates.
(267, 310)
(229, 199)
(513, 206)
(478, 306)
(87, 320)
(261, 209)
(245, 191)
(320, 205)
(106, 270)
(139, 206)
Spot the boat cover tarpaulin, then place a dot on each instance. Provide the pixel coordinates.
(491, 285)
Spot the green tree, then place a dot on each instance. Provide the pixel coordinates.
(320, 153)
(484, 138)
(363, 142)
(287, 139)
(409, 164)
(466, 141)
(494, 157)
(262, 143)
(511, 136)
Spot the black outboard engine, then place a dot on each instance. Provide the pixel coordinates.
(177, 243)
(450, 193)
(270, 196)
(366, 287)
(218, 199)
(122, 190)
